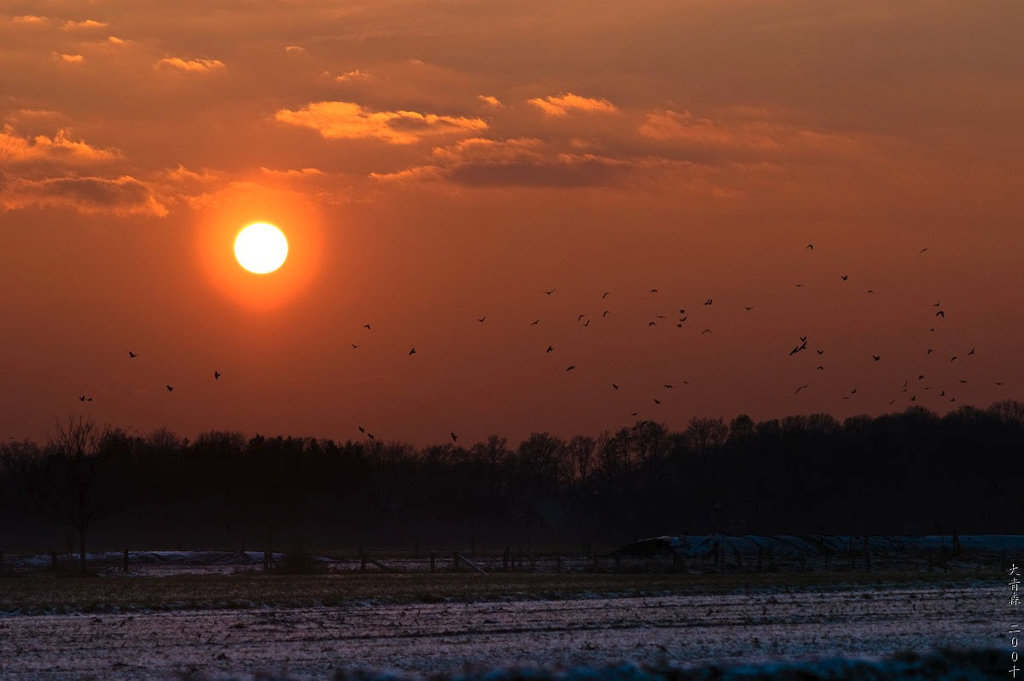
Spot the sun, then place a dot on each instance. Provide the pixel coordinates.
(261, 248)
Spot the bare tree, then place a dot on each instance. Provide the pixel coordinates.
(73, 472)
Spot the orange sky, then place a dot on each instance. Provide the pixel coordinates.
(434, 163)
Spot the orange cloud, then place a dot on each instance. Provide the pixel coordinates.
(563, 104)
(30, 19)
(15, 149)
(354, 74)
(346, 120)
(88, 23)
(120, 196)
(189, 65)
(72, 58)
(525, 162)
(489, 100)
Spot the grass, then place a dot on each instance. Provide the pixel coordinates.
(46, 593)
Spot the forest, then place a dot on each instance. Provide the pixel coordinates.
(913, 472)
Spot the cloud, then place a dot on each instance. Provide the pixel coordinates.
(119, 196)
(30, 19)
(523, 162)
(354, 74)
(294, 48)
(88, 23)
(71, 58)
(17, 150)
(114, 40)
(561, 105)
(346, 120)
(189, 65)
(490, 100)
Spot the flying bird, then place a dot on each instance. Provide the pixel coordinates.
(798, 285)
(941, 313)
(821, 368)
(667, 385)
(132, 355)
(820, 352)
(170, 388)
(971, 351)
(748, 308)
(876, 357)
(654, 290)
(923, 249)
(412, 351)
(650, 323)
(605, 313)
(800, 388)
(844, 277)
(550, 348)
(810, 247)
(549, 291)
(802, 346)
(615, 386)
(657, 401)
(707, 302)
(853, 391)
(605, 295)
(366, 326)
(707, 331)
(216, 375)
(355, 346)
(361, 429)
(535, 322)
(455, 438)
(570, 367)
(481, 319)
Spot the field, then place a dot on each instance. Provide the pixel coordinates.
(251, 625)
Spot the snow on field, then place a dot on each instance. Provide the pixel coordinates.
(474, 638)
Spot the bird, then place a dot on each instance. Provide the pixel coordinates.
(481, 319)
(821, 368)
(930, 351)
(923, 249)
(707, 331)
(651, 323)
(455, 438)
(412, 351)
(853, 391)
(941, 313)
(170, 388)
(820, 352)
(581, 316)
(844, 277)
(549, 291)
(615, 386)
(810, 247)
(937, 303)
(798, 285)
(654, 290)
(361, 429)
(657, 401)
(707, 302)
(550, 348)
(535, 322)
(355, 346)
(971, 351)
(605, 313)
(586, 323)
(871, 290)
(216, 375)
(369, 435)
(953, 358)
(570, 367)
(83, 398)
(605, 295)
(366, 326)
(876, 357)
(669, 386)
(132, 355)
(748, 308)
(800, 388)
(798, 348)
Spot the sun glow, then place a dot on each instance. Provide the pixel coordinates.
(261, 248)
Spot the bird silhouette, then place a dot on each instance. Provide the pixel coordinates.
(549, 291)
(871, 290)
(844, 277)
(876, 357)
(570, 367)
(810, 247)
(821, 368)
(669, 386)
(937, 303)
(481, 319)
(455, 438)
(605, 313)
(369, 435)
(355, 346)
(804, 386)
(923, 249)
(581, 316)
(707, 302)
(216, 375)
(971, 351)
(798, 285)
(941, 313)
(366, 326)
(170, 388)
(657, 401)
(132, 355)
(535, 322)
(930, 351)
(550, 348)
(361, 429)
(853, 391)
(651, 323)
(820, 352)
(615, 386)
(798, 348)
(586, 323)
(654, 290)
(748, 308)
(953, 358)
(605, 295)
(707, 331)
(412, 351)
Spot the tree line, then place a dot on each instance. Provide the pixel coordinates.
(908, 473)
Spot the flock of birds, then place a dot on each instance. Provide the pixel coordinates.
(910, 386)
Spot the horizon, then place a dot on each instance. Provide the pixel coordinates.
(720, 198)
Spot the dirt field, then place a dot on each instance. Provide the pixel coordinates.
(773, 623)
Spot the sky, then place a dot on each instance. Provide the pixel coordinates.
(439, 167)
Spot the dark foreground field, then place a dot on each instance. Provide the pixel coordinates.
(331, 626)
